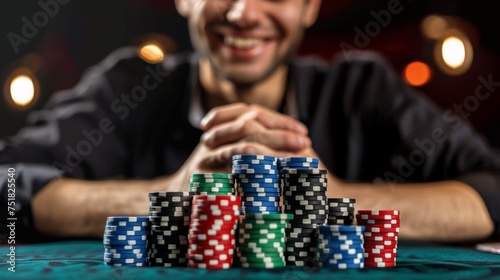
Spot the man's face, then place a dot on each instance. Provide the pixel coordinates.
(246, 40)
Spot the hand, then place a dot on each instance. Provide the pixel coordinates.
(253, 123)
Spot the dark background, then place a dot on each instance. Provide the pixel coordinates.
(83, 32)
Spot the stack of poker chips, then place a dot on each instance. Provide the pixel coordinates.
(214, 219)
(381, 236)
(297, 163)
(341, 211)
(170, 214)
(261, 240)
(340, 247)
(304, 196)
(257, 182)
(212, 183)
(125, 241)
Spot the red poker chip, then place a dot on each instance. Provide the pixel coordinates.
(380, 242)
(377, 222)
(379, 212)
(193, 264)
(210, 241)
(380, 251)
(380, 238)
(382, 256)
(204, 217)
(372, 229)
(380, 264)
(220, 200)
(201, 256)
(214, 208)
(205, 228)
(228, 252)
(212, 244)
(222, 237)
(383, 234)
(212, 250)
(211, 233)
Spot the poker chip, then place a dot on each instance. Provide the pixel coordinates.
(261, 240)
(170, 214)
(340, 246)
(211, 241)
(212, 184)
(380, 236)
(125, 241)
(304, 196)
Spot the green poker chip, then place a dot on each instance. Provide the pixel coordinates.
(196, 176)
(262, 265)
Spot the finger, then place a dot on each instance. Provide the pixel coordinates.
(266, 117)
(230, 132)
(223, 114)
(252, 131)
(274, 120)
(222, 156)
(281, 140)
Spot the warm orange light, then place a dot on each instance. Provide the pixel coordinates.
(22, 90)
(152, 53)
(417, 73)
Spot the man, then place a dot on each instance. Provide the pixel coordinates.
(130, 128)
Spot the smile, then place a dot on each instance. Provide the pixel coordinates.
(242, 43)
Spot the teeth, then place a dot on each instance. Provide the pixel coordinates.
(242, 43)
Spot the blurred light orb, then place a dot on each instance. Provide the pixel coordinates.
(417, 73)
(152, 53)
(434, 26)
(22, 90)
(453, 51)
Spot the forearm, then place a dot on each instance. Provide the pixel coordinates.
(77, 208)
(447, 211)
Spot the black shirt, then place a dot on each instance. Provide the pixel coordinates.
(130, 119)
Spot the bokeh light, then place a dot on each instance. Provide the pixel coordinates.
(22, 90)
(417, 73)
(151, 52)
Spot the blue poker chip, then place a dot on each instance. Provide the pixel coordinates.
(339, 256)
(107, 241)
(126, 228)
(258, 185)
(125, 255)
(340, 239)
(340, 228)
(260, 198)
(131, 219)
(126, 261)
(260, 204)
(248, 191)
(345, 250)
(298, 159)
(256, 171)
(125, 237)
(120, 250)
(274, 180)
(128, 232)
(255, 162)
(341, 265)
(126, 224)
(298, 164)
(261, 209)
(256, 176)
(252, 157)
(254, 166)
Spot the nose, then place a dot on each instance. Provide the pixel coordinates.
(243, 13)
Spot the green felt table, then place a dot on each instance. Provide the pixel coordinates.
(84, 260)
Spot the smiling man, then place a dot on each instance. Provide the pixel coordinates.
(243, 91)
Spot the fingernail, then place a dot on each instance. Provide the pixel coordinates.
(206, 138)
(204, 122)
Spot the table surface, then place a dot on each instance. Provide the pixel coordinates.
(83, 259)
